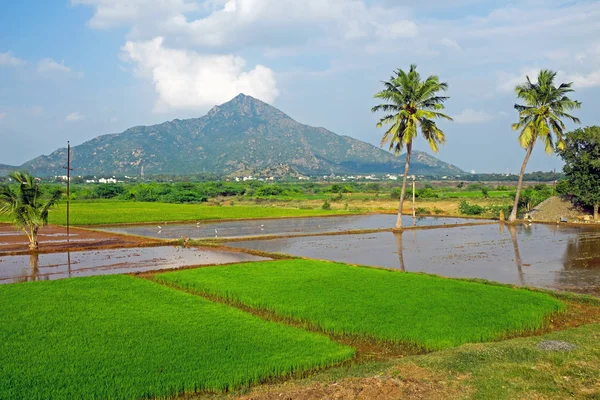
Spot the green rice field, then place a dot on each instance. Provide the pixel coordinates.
(120, 337)
(431, 312)
(127, 212)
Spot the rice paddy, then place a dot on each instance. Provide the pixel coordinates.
(121, 337)
(428, 311)
(127, 212)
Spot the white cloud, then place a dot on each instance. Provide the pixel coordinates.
(238, 23)
(585, 80)
(450, 43)
(111, 13)
(113, 119)
(508, 81)
(189, 80)
(8, 59)
(3, 115)
(580, 80)
(74, 116)
(48, 65)
(470, 116)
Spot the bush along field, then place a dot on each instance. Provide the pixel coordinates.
(430, 312)
(120, 337)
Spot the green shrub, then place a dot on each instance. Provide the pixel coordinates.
(326, 205)
(470, 209)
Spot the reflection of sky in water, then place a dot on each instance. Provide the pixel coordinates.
(117, 261)
(561, 258)
(281, 226)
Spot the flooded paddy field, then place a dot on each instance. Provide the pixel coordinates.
(280, 227)
(546, 256)
(54, 238)
(23, 268)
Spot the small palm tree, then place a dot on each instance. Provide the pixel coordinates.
(26, 205)
(545, 108)
(411, 104)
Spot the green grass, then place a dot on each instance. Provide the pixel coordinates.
(517, 369)
(429, 311)
(123, 212)
(121, 337)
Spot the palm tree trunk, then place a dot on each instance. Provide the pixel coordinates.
(403, 192)
(33, 240)
(513, 214)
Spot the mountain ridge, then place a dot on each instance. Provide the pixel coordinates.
(240, 135)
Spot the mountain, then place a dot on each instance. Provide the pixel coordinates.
(241, 135)
(5, 169)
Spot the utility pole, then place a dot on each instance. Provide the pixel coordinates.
(554, 185)
(414, 212)
(69, 169)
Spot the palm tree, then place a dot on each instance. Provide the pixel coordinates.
(545, 107)
(411, 104)
(26, 205)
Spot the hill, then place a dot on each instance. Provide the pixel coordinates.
(241, 135)
(5, 169)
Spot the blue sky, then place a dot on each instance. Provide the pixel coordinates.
(76, 69)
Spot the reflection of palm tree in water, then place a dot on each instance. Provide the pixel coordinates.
(513, 235)
(34, 260)
(400, 252)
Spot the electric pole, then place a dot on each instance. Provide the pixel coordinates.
(69, 169)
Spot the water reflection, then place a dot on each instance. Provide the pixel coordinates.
(581, 253)
(34, 267)
(398, 236)
(513, 236)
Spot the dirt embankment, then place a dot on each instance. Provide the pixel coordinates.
(555, 208)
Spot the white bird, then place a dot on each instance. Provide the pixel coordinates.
(262, 227)
(216, 233)
(159, 227)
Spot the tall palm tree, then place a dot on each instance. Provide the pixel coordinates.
(28, 208)
(411, 104)
(545, 108)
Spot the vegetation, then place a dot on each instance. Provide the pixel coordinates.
(26, 206)
(581, 155)
(542, 115)
(511, 369)
(121, 337)
(123, 212)
(411, 104)
(424, 310)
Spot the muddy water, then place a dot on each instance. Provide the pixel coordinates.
(280, 227)
(558, 258)
(102, 262)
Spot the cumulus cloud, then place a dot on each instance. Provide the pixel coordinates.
(470, 116)
(7, 59)
(49, 65)
(237, 23)
(74, 116)
(186, 79)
